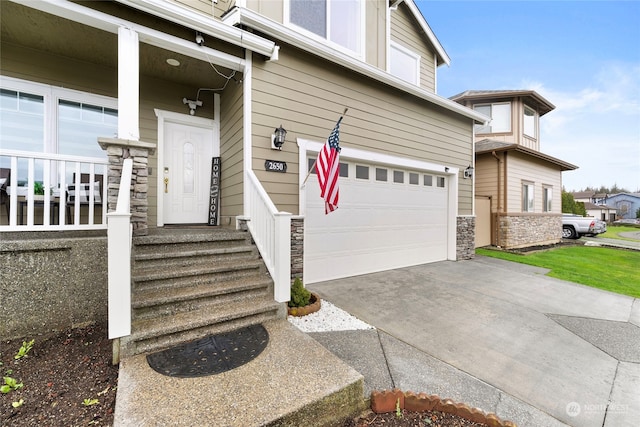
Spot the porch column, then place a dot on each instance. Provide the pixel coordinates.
(118, 150)
(128, 84)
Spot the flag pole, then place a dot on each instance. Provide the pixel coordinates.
(314, 163)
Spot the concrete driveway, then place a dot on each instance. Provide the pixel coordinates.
(569, 351)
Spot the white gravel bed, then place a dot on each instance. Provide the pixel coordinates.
(328, 318)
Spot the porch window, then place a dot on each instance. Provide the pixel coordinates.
(500, 114)
(547, 198)
(48, 119)
(527, 197)
(339, 21)
(22, 124)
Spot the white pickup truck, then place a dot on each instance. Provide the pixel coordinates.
(576, 226)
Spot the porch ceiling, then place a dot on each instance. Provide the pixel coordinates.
(32, 29)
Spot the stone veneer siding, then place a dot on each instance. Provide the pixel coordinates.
(518, 231)
(297, 247)
(138, 151)
(466, 237)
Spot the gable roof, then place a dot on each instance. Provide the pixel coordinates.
(489, 145)
(443, 58)
(531, 97)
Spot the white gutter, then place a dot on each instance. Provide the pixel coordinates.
(241, 16)
(205, 24)
(111, 24)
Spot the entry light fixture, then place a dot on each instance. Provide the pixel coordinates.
(468, 172)
(277, 138)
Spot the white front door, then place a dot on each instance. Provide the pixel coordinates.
(186, 172)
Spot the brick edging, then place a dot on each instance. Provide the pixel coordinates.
(386, 401)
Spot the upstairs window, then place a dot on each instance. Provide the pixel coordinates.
(500, 114)
(404, 63)
(339, 21)
(529, 122)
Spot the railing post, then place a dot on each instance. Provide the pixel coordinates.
(119, 235)
(119, 267)
(282, 257)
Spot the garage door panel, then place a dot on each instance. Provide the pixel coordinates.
(378, 226)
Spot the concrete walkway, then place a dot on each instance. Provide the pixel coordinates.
(497, 335)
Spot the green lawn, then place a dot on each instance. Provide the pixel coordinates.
(609, 269)
(613, 230)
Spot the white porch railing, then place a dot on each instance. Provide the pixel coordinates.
(271, 230)
(119, 232)
(75, 192)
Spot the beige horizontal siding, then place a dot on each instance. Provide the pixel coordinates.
(406, 32)
(231, 151)
(306, 95)
(524, 168)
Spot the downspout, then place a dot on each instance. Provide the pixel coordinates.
(499, 207)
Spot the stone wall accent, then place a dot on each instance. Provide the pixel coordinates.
(390, 400)
(518, 231)
(66, 278)
(466, 237)
(297, 247)
(118, 150)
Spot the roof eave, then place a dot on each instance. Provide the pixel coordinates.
(249, 18)
(565, 166)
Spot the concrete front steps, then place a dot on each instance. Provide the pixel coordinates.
(190, 283)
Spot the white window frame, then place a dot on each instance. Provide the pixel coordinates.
(547, 198)
(528, 196)
(535, 122)
(360, 53)
(51, 97)
(481, 129)
(408, 53)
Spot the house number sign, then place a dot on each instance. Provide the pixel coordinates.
(275, 166)
(214, 191)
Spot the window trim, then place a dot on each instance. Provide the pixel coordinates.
(360, 53)
(478, 128)
(535, 121)
(408, 52)
(547, 203)
(525, 203)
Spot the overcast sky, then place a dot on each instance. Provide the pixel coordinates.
(582, 56)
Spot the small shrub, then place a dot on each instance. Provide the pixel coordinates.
(300, 297)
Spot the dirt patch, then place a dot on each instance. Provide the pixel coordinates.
(68, 380)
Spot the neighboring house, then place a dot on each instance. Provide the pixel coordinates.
(596, 205)
(626, 205)
(517, 187)
(603, 212)
(172, 84)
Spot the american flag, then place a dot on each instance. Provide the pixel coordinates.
(328, 167)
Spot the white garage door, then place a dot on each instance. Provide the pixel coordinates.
(387, 218)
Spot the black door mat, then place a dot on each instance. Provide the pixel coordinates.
(211, 355)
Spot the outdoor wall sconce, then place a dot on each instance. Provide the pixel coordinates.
(468, 172)
(277, 138)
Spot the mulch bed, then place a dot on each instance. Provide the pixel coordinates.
(58, 374)
(410, 419)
